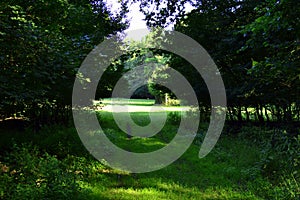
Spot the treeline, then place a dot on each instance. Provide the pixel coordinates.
(42, 44)
(255, 45)
(264, 113)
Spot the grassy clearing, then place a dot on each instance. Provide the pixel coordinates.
(123, 101)
(142, 108)
(136, 105)
(67, 170)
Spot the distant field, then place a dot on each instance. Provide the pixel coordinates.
(123, 101)
(137, 105)
(135, 108)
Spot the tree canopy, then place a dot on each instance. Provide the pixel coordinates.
(255, 45)
(42, 44)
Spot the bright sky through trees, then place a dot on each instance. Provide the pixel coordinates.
(136, 19)
(134, 15)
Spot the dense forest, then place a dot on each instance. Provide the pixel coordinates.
(255, 45)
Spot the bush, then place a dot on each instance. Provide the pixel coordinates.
(25, 174)
(290, 185)
(279, 160)
(172, 102)
(60, 141)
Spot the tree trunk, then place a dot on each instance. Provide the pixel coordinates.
(278, 113)
(239, 114)
(247, 114)
(230, 113)
(258, 114)
(158, 99)
(266, 114)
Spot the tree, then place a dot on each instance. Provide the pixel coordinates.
(145, 66)
(273, 37)
(42, 45)
(255, 44)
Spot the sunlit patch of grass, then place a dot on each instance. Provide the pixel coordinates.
(221, 175)
(166, 191)
(122, 101)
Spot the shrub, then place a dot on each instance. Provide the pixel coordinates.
(173, 102)
(279, 160)
(25, 174)
(290, 185)
(60, 141)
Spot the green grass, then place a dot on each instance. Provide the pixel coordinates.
(221, 175)
(228, 172)
(122, 101)
(218, 176)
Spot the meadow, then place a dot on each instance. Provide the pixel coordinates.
(58, 55)
(53, 164)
